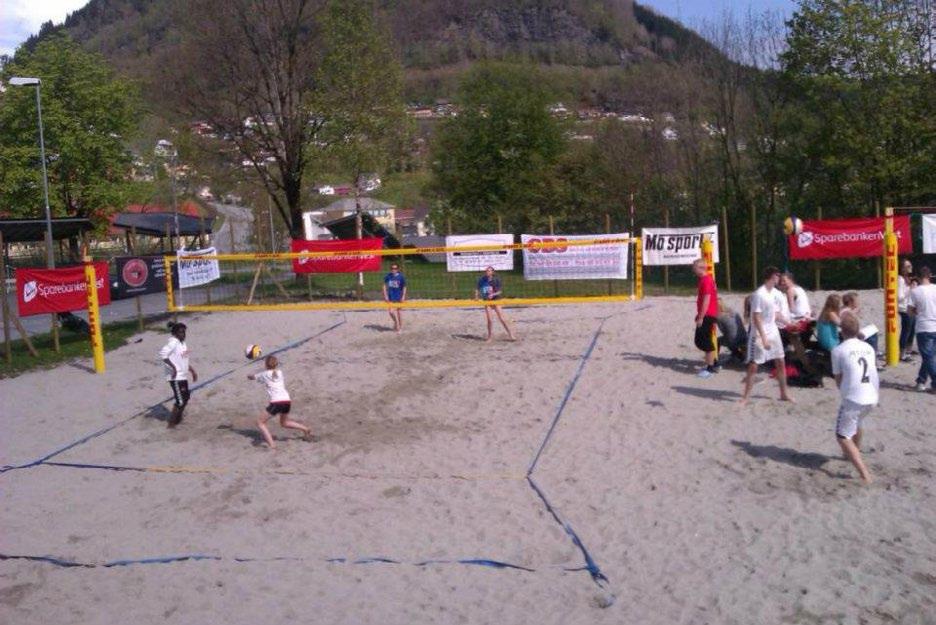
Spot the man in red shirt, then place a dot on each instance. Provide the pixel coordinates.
(706, 314)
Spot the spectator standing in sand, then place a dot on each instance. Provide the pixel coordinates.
(857, 379)
(490, 289)
(764, 336)
(394, 292)
(923, 307)
(706, 317)
(175, 356)
(907, 321)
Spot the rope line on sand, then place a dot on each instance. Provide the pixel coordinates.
(199, 557)
(327, 475)
(196, 387)
(590, 565)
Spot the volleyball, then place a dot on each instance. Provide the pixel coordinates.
(792, 225)
(252, 352)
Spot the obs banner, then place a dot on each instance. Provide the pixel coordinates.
(40, 291)
(576, 262)
(339, 263)
(501, 260)
(677, 246)
(847, 238)
(195, 270)
(929, 234)
(139, 275)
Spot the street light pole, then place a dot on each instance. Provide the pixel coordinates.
(18, 81)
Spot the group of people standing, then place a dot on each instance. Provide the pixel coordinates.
(778, 318)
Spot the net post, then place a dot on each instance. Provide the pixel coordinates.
(94, 315)
(638, 268)
(890, 290)
(608, 231)
(170, 296)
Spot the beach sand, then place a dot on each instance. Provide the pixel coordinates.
(697, 510)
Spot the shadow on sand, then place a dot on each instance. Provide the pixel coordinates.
(256, 438)
(708, 393)
(785, 455)
(377, 327)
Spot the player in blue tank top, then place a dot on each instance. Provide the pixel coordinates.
(489, 289)
(394, 292)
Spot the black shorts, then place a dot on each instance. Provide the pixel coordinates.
(180, 392)
(280, 407)
(703, 335)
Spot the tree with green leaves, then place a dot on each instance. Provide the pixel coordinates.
(498, 155)
(866, 118)
(289, 83)
(87, 116)
(360, 91)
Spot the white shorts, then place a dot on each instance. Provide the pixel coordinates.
(756, 352)
(850, 418)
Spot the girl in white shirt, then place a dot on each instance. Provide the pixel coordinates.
(280, 404)
(175, 357)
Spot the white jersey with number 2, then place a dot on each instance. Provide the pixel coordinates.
(855, 361)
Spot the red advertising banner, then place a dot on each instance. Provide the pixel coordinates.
(41, 291)
(352, 263)
(847, 238)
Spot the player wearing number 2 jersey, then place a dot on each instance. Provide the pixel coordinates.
(853, 365)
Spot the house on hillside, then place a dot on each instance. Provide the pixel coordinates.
(413, 221)
(383, 213)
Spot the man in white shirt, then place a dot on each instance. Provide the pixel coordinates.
(853, 365)
(797, 300)
(764, 336)
(923, 308)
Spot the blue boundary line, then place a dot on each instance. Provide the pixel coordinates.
(197, 557)
(198, 386)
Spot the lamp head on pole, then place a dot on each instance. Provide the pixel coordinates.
(21, 81)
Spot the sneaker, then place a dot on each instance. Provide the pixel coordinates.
(920, 387)
(704, 373)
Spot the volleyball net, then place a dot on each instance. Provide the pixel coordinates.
(537, 271)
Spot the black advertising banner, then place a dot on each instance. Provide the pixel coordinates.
(139, 275)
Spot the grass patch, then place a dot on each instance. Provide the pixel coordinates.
(72, 345)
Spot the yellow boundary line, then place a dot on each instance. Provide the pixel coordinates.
(381, 305)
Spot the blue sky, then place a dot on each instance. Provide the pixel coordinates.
(21, 18)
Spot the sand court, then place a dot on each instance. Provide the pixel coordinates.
(697, 510)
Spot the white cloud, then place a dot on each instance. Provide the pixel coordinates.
(21, 18)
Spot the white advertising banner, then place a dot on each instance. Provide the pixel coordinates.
(676, 246)
(501, 260)
(575, 262)
(929, 234)
(195, 270)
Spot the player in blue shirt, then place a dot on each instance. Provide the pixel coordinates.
(394, 291)
(489, 288)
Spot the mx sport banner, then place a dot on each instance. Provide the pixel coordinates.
(41, 291)
(194, 270)
(575, 262)
(339, 263)
(929, 234)
(501, 260)
(677, 246)
(847, 238)
(139, 275)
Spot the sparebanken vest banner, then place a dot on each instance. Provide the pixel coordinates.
(847, 238)
(340, 263)
(42, 291)
(195, 270)
(575, 262)
(476, 260)
(677, 246)
(929, 234)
